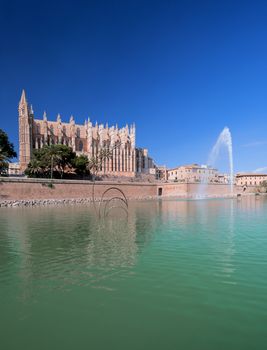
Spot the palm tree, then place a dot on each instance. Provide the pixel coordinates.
(93, 166)
(49, 155)
(58, 157)
(34, 168)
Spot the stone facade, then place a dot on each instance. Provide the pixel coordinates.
(126, 159)
(250, 179)
(161, 173)
(14, 169)
(193, 173)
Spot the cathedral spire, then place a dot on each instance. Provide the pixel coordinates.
(23, 100)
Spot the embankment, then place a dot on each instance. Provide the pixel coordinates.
(28, 192)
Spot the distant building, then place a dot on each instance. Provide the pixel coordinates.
(126, 158)
(250, 179)
(161, 172)
(193, 173)
(14, 169)
(224, 178)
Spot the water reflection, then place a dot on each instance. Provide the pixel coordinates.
(69, 245)
(251, 203)
(186, 265)
(66, 246)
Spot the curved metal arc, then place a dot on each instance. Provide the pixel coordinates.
(111, 188)
(114, 198)
(118, 207)
(106, 191)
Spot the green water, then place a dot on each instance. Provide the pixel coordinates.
(173, 275)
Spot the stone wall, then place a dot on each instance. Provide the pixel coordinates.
(23, 189)
(173, 189)
(20, 189)
(191, 190)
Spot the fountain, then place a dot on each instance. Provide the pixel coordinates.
(224, 139)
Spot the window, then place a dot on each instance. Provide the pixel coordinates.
(80, 146)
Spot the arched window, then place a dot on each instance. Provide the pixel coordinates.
(80, 146)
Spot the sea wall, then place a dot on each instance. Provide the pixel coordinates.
(31, 189)
(23, 191)
(197, 190)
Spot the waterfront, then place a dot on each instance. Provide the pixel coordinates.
(173, 274)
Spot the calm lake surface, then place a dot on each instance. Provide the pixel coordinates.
(173, 275)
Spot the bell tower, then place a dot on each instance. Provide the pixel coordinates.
(25, 132)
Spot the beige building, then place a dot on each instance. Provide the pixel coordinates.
(14, 169)
(193, 173)
(89, 139)
(224, 178)
(161, 172)
(250, 179)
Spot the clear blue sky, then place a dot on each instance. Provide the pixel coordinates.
(182, 70)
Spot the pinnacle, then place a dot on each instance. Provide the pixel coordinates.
(23, 98)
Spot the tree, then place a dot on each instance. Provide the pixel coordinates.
(3, 164)
(50, 159)
(6, 147)
(81, 165)
(6, 152)
(59, 157)
(34, 168)
(95, 163)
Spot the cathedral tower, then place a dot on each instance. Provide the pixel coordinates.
(25, 132)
